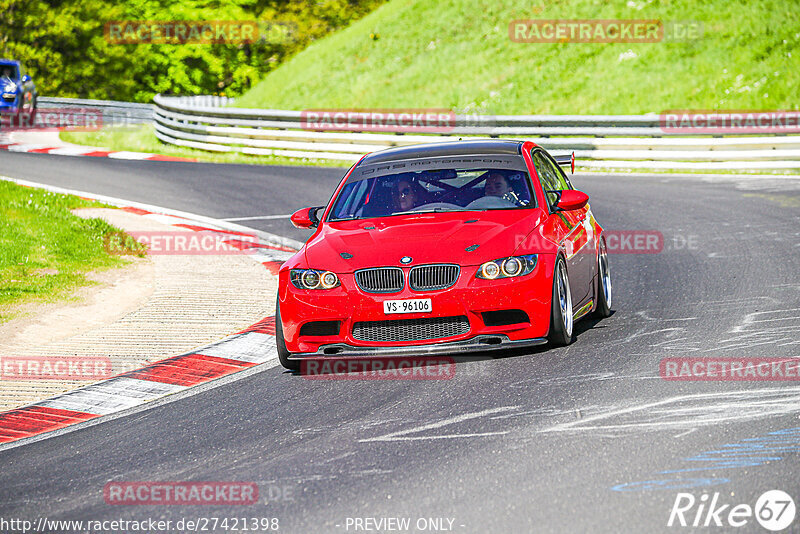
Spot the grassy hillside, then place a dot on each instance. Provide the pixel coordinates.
(457, 54)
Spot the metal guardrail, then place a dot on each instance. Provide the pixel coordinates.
(115, 113)
(215, 112)
(632, 141)
(599, 141)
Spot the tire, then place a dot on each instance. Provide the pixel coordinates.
(561, 320)
(283, 352)
(603, 307)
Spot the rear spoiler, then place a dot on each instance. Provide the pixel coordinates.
(566, 161)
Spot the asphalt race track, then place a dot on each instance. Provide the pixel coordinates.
(578, 439)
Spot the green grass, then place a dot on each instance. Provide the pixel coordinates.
(457, 54)
(143, 139)
(46, 251)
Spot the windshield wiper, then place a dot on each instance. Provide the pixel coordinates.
(432, 210)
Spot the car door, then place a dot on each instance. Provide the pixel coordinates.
(572, 229)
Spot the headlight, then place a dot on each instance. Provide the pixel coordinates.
(507, 267)
(9, 95)
(313, 279)
(329, 280)
(489, 270)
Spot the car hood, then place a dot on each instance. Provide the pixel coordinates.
(8, 86)
(426, 238)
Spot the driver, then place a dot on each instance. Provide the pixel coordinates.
(7, 73)
(496, 185)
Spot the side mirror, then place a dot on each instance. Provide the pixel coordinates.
(305, 218)
(571, 199)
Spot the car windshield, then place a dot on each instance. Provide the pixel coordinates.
(433, 191)
(9, 71)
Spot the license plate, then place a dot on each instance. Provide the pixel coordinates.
(407, 306)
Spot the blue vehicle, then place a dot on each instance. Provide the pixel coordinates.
(17, 91)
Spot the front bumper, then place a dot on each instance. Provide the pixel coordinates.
(481, 343)
(9, 106)
(470, 297)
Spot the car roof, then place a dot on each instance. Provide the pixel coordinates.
(455, 148)
(9, 62)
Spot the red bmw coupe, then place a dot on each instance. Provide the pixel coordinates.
(443, 248)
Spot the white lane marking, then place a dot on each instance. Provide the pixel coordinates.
(256, 218)
(123, 154)
(750, 318)
(689, 344)
(720, 407)
(111, 396)
(71, 151)
(401, 435)
(445, 436)
(644, 315)
(735, 302)
(26, 147)
(251, 347)
(685, 433)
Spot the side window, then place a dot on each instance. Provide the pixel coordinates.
(562, 178)
(549, 176)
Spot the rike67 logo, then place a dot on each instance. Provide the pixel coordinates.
(774, 510)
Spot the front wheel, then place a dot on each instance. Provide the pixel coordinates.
(603, 308)
(283, 352)
(561, 307)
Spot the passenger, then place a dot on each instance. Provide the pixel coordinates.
(497, 185)
(405, 195)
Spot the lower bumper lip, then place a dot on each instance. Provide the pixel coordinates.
(481, 343)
